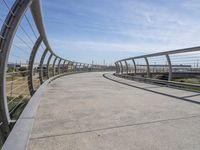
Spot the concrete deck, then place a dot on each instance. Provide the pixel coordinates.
(89, 112)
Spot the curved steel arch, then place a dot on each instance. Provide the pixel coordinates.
(30, 66)
(63, 66)
(41, 66)
(59, 65)
(54, 62)
(8, 31)
(48, 62)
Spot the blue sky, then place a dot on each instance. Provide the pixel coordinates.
(86, 30)
(112, 29)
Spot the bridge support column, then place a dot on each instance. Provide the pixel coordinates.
(41, 66)
(148, 68)
(30, 65)
(170, 68)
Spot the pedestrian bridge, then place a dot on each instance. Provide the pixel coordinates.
(50, 102)
(100, 111)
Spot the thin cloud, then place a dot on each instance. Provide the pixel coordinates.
(122, 25)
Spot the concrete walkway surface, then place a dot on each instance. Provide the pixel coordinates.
(89, 112)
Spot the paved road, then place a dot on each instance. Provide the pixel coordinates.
(89, 112)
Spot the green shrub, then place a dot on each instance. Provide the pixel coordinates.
(23, 71)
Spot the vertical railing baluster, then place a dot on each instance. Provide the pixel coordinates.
(48, 63)
(135, 67)
(63, 66)
(119, 69)
(148, 68)
(68, 64)
(126, 66)
(116, 71)
(170, 67)
(41, 71)
(30, 65)
(54, 62)
(59, 65)
(122, 69)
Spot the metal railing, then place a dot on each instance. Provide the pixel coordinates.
(26, 59)
(180, 68)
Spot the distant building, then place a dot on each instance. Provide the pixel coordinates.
(13, 65)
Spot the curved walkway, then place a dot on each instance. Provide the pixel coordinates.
(89, 112)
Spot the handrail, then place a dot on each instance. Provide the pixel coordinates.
(177, 63)
(184, 50)
(37, 15)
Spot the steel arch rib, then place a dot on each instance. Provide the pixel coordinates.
(8, 32)
(30, 65)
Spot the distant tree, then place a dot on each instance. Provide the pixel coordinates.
(11, 69)
(23, 71)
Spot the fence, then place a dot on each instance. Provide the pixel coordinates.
(180, 68)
